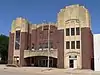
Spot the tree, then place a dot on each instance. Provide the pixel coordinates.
(4, 40)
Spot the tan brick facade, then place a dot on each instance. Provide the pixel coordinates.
(76, 16)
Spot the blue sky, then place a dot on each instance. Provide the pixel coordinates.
(38, 10)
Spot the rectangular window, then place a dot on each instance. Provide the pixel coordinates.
(51, 44)
(72, 44)
(67, 45)
(17, 46)
(72, 31)
(17, 40)
(78, 44)
(67, 32)
(18, 35)
(77, 31)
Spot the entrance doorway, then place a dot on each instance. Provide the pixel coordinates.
(44, 63)
(16, 60)
(73, 63)
(41, 61)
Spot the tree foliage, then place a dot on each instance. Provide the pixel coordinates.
(4, 40)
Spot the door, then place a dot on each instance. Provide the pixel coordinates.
(42, 63)
(71, 63)
(75, 63)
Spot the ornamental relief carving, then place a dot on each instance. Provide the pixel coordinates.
(72, 21)
(72, 53)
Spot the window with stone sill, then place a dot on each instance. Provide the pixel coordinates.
(17, 40)
(72, 31)
(17, 46)
(78, 44)
(72, 44)
(67, 32)
(67, 45)
(77, 31)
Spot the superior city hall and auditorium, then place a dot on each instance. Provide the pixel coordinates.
(70, 41)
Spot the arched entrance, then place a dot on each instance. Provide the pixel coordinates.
(40, 61)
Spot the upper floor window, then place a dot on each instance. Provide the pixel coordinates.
(51, 44)
(18, 35)
(77, 31)
(72, 31)
(67, 32)
(78, 44)
(72, 44)
(67, 45)
(17, 39)
(17, 45)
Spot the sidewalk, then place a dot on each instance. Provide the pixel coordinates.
(45, 70)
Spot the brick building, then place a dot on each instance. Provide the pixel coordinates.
(71, 41)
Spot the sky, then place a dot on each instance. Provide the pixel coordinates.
(38, 10)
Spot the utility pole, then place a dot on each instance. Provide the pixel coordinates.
(48, 43)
